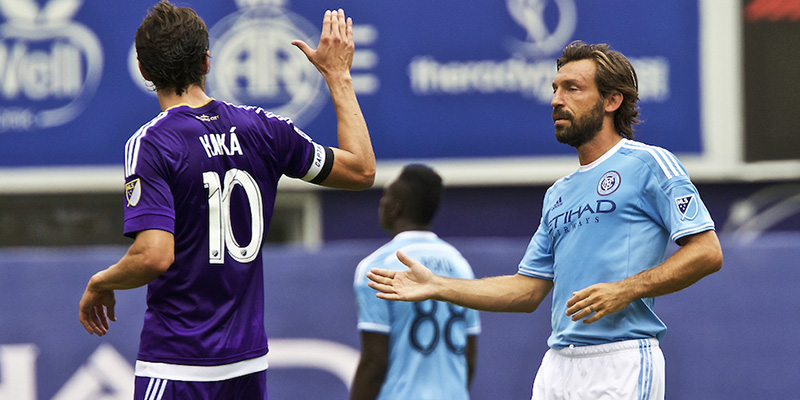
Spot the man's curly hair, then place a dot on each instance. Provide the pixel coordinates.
(614, 74)
(171, 44)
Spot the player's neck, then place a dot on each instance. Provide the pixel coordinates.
(400, 227)
(599, 145)
(193, 96)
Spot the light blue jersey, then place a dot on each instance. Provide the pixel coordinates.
(427, 340)
(610, 220)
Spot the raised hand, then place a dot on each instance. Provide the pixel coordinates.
(334, 55)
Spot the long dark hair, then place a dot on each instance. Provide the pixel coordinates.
(614, 74)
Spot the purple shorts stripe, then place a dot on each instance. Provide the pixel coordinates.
(247, 387)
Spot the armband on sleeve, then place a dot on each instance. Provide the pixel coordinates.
(320, 164)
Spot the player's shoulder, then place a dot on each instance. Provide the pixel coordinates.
(146, 133)
(444, 258)
(559, 186)
(265, 120)
(173, 121)
(149, 126)
(660, 161)
(423, 242)
(254, 111)
(383, 257)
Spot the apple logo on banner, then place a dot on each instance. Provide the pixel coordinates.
(50, 66)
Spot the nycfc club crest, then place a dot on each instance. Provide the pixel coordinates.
(609, 183)
(133, 192)
(687, 206)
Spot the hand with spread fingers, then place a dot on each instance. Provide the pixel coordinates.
(414, 284)
(334, 55)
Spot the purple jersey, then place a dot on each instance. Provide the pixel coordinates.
(209, 176)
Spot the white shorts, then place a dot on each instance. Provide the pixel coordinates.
(631, 369)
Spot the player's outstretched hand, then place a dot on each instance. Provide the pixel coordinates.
(417, 283)
(96, 308)
(334, 55)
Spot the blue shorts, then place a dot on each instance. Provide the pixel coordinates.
(247, 387)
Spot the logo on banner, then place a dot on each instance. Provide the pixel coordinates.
(543, 39)
(50, 66)
(106, 375)
(687, 206)
(530, 70)
(254, 63)
(549, 26)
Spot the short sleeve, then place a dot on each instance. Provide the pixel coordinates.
(675, 201)
(682, 209)
(473, 322)
(538, 259)
(149, 202)
(373, 313)
(299, 156)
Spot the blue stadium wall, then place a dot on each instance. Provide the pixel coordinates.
(731, 336)
(744, 209)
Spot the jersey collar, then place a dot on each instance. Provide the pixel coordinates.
(415, 235)
(606, 156)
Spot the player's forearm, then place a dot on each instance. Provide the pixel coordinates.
(126, 274)
(368, 381)
(699, 257)
(508, 293)
(472, 358)
(352, 133)
(150, 256)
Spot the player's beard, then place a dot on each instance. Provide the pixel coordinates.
(582, 129)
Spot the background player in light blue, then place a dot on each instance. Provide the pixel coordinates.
(600, 245)
(423, 350)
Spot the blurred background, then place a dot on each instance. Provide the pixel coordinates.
(463, 87)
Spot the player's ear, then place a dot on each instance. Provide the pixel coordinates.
(206, 66)
(395, 209)
(144, 75)
(613, 101)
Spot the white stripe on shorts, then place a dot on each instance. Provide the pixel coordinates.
(155, 389)
(646, 371)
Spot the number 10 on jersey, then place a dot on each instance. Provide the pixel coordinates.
(220, 228)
